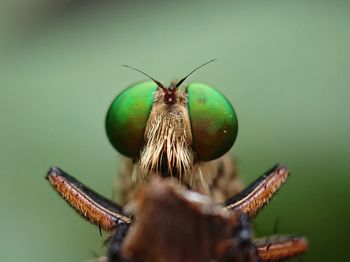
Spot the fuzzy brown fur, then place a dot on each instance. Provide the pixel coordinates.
(168, 140)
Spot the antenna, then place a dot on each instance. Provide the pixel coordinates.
(155, 81)
(194, 70)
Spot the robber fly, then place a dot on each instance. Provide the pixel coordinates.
(181, 134)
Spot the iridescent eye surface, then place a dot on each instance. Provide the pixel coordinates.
(127, 118)
(213, 121)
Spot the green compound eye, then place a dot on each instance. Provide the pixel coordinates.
(127, 118)
(213, 121)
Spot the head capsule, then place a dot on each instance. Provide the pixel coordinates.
(212, 120)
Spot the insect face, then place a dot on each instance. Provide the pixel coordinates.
(169, 130)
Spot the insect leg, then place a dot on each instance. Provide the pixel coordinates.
(280, 247)
(92, 206)
(258, 193)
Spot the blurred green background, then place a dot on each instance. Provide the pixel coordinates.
(283, 64)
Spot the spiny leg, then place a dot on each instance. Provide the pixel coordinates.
(252, 199)
(92, 206)
(280, 247)
(257, 194)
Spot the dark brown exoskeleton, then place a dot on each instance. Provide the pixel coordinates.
(180, 207)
